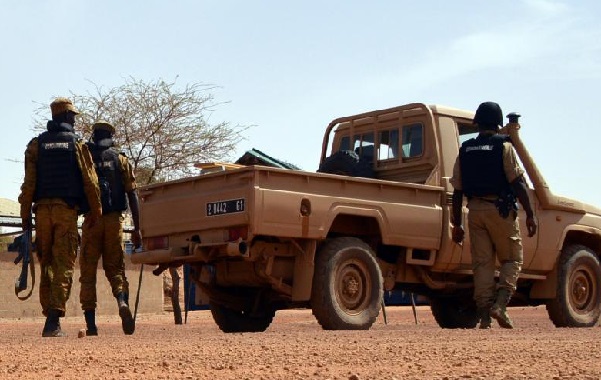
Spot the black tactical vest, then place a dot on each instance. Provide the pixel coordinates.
(481, 161)
(58, 174)
(108, 169)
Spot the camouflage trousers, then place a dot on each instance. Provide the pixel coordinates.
(103, 240)
(494, 238)
(56, 241)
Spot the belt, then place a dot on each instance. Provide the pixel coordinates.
(487, 199)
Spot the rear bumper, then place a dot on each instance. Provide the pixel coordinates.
(199, 252)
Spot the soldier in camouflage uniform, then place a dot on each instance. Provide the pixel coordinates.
(60, 182)
(104, 239)
(488, 173)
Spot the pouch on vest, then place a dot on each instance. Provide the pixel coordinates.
(105, 194)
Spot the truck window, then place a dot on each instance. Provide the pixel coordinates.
(393, 143)
(345, 143)
(364, 146)
(412, 140)
(466, 132)
(389, 144)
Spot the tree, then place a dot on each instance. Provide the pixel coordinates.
(161, 128)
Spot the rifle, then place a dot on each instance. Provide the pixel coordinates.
(23, 245)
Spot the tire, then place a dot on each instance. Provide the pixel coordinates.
(347, 285)
(454, 312)
(347, 162)
(234, 321)
(578, 299)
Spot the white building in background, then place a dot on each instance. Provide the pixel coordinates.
(9, 213)
(10, 220)
(9, 208)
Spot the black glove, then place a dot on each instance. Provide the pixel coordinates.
(458, 234)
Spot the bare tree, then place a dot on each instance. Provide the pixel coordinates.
(163, 129)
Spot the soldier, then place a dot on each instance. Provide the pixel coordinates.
(61, 183)
(104, 239)
(487, 172)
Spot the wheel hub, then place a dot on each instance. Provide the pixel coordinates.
(581, 290)
(352, 286)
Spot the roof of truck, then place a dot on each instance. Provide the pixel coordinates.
(406, 109)
(451, 111)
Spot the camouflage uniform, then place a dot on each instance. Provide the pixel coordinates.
(104, 240)
(56, 221)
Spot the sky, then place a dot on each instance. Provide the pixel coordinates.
(287, 68)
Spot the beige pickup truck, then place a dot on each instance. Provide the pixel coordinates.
(375, 217)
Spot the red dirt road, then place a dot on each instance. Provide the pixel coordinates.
(295, 347)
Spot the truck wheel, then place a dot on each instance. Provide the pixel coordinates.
(347, 285)
(233, 321)
(578, 299)
(347, 162)
(454, 312)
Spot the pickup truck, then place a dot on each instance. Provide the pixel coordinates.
(374, 218)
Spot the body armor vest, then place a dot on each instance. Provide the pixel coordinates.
(481, 161)
(58, 174)
(108, 169)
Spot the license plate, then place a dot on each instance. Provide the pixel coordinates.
(225, 207)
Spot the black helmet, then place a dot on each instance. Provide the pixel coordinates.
(489, 114)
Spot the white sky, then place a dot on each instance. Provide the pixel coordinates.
(289, 67)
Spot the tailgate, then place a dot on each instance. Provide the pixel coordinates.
(200, 203)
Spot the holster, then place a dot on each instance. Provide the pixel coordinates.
(506, 203)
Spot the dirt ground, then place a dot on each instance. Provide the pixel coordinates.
(295, 347)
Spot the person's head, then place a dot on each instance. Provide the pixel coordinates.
(63, 111)
(102, 133)
(489, 116)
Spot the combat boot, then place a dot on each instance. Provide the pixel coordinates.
(127, 320)
(499, 309)
(52, 327)
(90, 316)
(484, 317)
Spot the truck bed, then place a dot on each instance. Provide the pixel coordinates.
(268, 202)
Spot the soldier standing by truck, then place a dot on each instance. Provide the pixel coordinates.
(487, 173)
(104, 239)
(61, 183)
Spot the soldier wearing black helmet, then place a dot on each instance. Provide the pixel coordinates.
(488, 174)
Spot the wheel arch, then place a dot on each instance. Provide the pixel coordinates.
(588, 236)
(368, 224)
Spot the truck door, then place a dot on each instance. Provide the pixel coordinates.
(529, 243)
